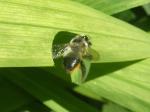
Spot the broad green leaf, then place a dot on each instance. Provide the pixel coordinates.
(128, 86)
(47, 89)
(27, 30)
(113, 6)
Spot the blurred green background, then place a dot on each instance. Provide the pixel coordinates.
(118, 82)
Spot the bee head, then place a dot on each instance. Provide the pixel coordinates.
(81, 39)
(86, 39)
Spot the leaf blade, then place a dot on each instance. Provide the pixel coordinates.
(112, 7)
(126, 87)
(30, 32)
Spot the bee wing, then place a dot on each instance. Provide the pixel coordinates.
(59, 50)
(92, 55)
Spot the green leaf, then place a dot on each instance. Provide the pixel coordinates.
(113, 6)
(128, 86)
(47, 89)
(127, 15)
(27, 30)
(143, 23)
(12, 97)
(147, 8)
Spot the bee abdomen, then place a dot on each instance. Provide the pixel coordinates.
(71, 62)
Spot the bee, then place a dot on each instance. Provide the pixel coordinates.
(74, 52)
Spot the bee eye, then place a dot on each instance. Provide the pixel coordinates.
(86, 38)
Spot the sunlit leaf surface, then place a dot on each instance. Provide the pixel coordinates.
(27, 30)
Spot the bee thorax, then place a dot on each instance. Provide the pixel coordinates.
(67, 51)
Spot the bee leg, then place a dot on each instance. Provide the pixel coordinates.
(83, 69)
(88, 56)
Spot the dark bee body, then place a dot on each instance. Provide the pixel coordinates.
(70, 63)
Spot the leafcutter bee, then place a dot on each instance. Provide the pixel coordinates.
(74, 52)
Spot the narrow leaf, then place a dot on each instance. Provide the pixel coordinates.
(113, 6)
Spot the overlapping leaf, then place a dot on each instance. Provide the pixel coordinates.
(27, 29)
(43, 87)
(113, 6)
(128, 87)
